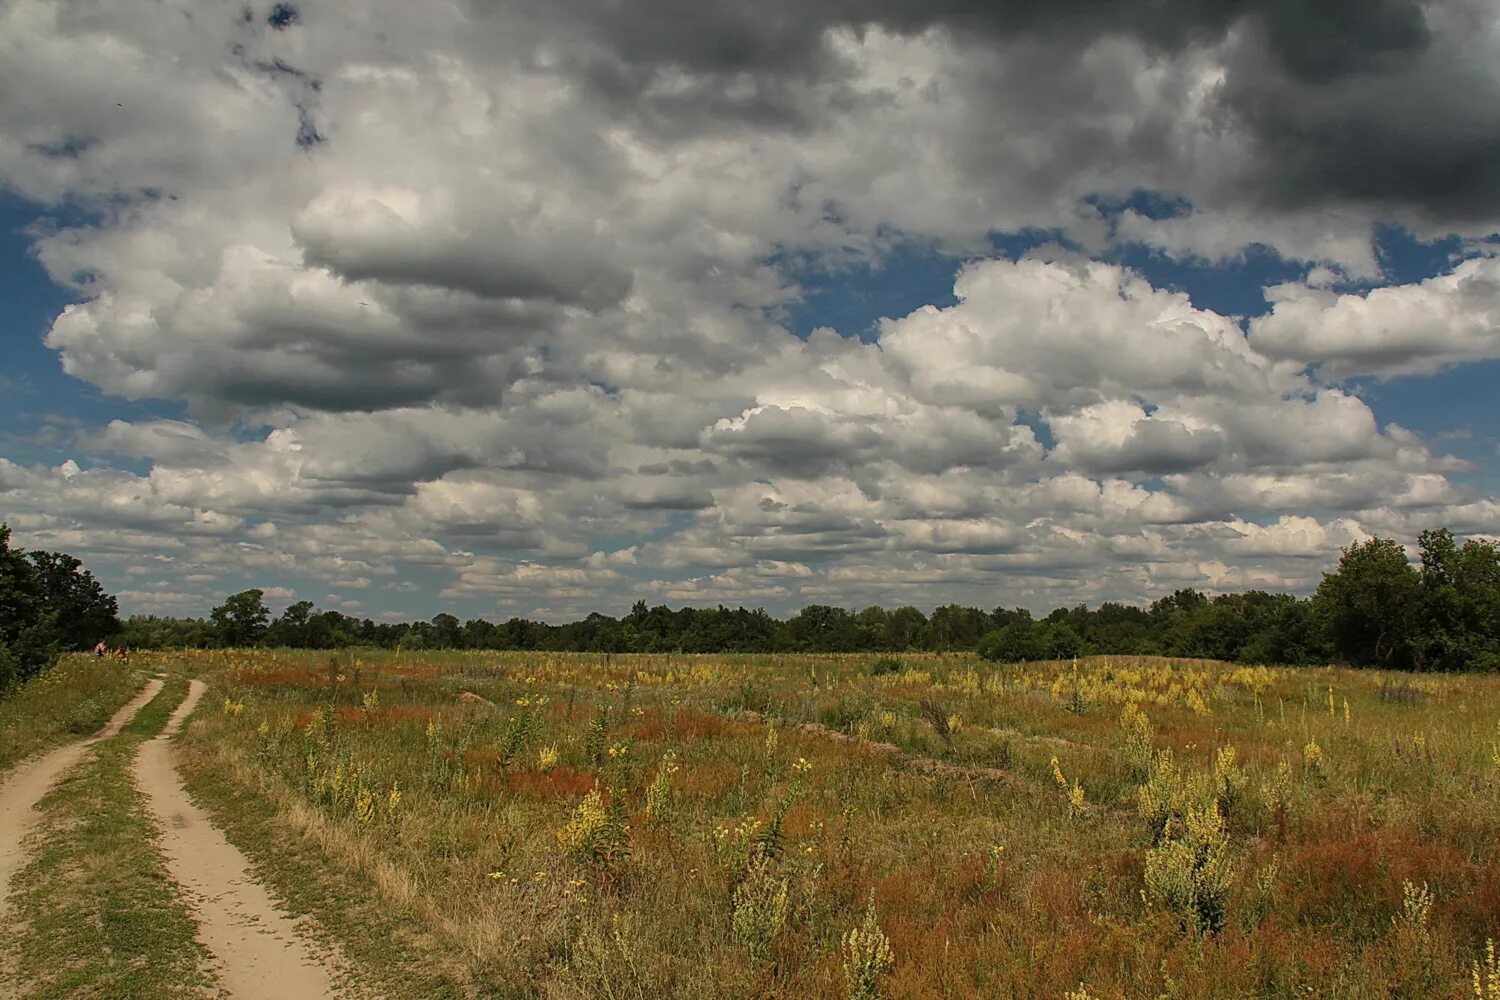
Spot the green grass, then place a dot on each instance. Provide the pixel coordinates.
(99, 915)
(72, 699)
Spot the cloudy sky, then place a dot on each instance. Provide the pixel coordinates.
(540, 308)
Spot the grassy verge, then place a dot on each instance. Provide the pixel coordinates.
(74, 698)
(314, 869)
(100, 915)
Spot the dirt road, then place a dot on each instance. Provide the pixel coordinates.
(28, 783)
(258, 950)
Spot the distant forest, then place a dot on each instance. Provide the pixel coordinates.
(1375, 608)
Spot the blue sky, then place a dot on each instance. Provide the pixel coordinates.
(887, 308)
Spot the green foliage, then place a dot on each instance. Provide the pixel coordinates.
(1379, 610)
(1374, 609)
(48, 603)
(1025, 640)
(596, 737)
(242, 619)
(85, 614)
(1369, 605)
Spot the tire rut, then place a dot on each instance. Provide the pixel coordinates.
(257, 948)
(25, 787)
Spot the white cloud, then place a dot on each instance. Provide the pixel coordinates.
(1411, 329)
(497, 304)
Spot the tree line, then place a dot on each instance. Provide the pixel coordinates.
(1375, 608)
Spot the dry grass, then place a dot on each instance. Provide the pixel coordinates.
(987, 876)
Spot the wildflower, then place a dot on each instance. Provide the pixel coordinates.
(660, 801)
(1416, 904)
(364, 805)
(802, 766)
(393, 798)
(1487, 974)
(596, 831)
(1075, 799)
(867, 955)
(1189, 874)
(1057, 775)
(1312, 756)
(546, 759)
(761, 905)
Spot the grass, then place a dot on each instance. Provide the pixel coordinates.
(315, 868)
(725, 826)
(72, 699)
(99, 915)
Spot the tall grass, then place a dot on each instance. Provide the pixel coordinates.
(818, 826)
(73, 698)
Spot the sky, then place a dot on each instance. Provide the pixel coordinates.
(505, 308)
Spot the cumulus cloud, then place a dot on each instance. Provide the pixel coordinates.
(494, 297)
(1395, 330)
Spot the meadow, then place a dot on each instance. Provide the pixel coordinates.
(572, 825)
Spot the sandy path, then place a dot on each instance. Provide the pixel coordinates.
(28, 783)
(258, 950)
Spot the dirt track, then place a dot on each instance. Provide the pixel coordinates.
(23, 788)
(257, 948)
(28, 783)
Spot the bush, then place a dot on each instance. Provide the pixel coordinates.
(886, 665)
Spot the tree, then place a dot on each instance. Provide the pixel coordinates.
(291, 629)
(1020, 641)
(20, 609)
(447, 631)
(953, 626)
(820, 628)
(1459, 624)
(903, 628)
(1369, 605)
(84, 613)
(242, 619)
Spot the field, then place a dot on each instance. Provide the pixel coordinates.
(510, 825)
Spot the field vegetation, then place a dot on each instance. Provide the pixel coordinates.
(503, 824)
(69, 700)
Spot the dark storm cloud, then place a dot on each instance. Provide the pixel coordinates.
(1373, 103)
(1313, 40)
(1404, 131)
